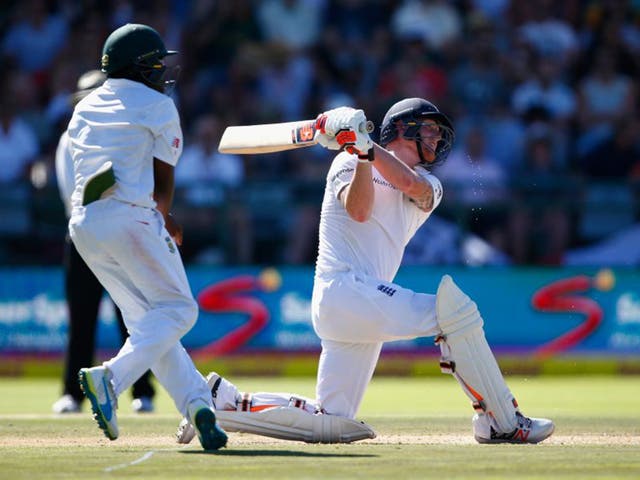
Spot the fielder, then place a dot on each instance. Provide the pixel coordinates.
(125, 139)
(83, 291)
(376, 197)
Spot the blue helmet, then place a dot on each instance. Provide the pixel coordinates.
(411, 112)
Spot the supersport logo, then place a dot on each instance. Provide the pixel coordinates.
(556, 297)
(225, 297)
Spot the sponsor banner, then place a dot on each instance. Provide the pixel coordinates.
(539, 312)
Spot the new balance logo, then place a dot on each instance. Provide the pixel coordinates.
(387, 290)
(521, 435)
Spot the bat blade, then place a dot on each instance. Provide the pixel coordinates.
(268, 138)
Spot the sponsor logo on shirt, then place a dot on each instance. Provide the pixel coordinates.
(176, 142)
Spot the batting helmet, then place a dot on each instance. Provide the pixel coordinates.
(136, 50)
(411, 112)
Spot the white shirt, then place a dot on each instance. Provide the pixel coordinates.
(374, 247)
(64, 172)
(128, 124)
(196, 165)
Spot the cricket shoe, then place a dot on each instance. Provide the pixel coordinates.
(66, 404)
(96, 385)
(528, 430)
(211, 436)
(223, 394)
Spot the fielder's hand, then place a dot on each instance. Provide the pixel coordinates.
(174, 229)
(344, 127)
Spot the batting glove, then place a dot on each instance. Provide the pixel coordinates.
(327, 141)
(341, 128)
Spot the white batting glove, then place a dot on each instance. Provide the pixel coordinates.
(345, 124)
(327, 141)
(341, 118)
(361, 145)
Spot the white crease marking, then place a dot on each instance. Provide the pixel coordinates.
(143, 458)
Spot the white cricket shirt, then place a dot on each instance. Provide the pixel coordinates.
(128, 124)
(374, 247)
(64, 172)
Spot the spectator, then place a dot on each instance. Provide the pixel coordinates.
(201, 160)
(617, 157)
(539, 225)
(547, 33)
(295, 23)
(35, 38)
(477, 85)
(435, 22)
(477, 181)
(284, 82)
(18, 141)
(547, 91)
(607, 99)
(206, 180)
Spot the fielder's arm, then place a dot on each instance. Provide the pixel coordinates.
(163, 175)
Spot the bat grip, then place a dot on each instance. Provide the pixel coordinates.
(366, 127)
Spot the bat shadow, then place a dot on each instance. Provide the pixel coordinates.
(275, 453)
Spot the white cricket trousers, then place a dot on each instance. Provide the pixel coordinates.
(137, 262)
(354, 314)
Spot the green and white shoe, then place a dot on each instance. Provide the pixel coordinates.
(210, 434)
(96, 386)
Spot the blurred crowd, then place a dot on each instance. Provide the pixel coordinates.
(543, 94)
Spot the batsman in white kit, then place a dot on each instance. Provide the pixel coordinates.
(376, 197)
(125, 140)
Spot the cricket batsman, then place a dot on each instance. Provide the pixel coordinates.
(376, 197)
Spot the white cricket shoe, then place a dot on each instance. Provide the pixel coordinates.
(142, 405)
(529, 430)
(96, 385)
(66, 404)
(185, 432)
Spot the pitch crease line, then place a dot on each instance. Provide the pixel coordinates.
(120, 466)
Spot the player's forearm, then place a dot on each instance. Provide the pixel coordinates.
(163, 203)
(359, 195)
(397, 173)
(163, 175)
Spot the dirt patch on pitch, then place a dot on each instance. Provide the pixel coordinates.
(244, 440)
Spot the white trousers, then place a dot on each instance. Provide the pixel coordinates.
(354, 314)
(135, 259)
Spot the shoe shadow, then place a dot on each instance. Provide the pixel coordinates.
(274, 453)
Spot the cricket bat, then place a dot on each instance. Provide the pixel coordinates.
(273, 137)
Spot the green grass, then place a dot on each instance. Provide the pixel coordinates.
(423, 426)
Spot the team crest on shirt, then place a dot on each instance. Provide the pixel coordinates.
(172, 247)
(176, 142)
(387, 290)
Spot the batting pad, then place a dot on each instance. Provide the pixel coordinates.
(467, 356)
(290, 423)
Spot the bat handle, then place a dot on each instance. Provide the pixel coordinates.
(366, 127)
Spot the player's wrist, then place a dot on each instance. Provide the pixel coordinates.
(367, 157)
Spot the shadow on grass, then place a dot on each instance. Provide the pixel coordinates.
(274, 453)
